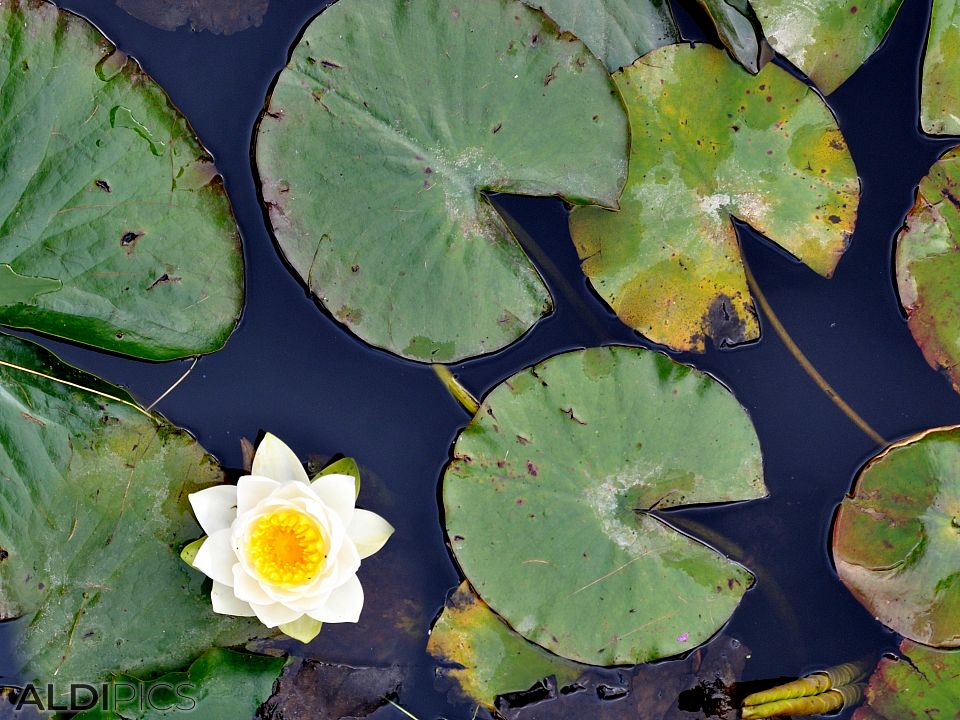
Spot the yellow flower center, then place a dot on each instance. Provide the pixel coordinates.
(286, 547)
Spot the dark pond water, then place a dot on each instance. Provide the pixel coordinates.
(292, 370)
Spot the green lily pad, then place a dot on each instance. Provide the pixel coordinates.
(383, 132)
(93, 514)
(485, 656)
(710, 143)
(616, 31)
(827, 40)
(739, 31)
(108, 198)
(940, 86)
(896, 541)
(928, 266)
(922, 686)
(552, 498)
(220, 684)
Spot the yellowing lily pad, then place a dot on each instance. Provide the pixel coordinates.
(384, 131)
(940, 88)
(928, 267)
(117, 232)
(616, 31)
(93, 514)
(828, 40)
(923, 685)
(553, 495)
(896, 540)
(485, 656)
(710, 143)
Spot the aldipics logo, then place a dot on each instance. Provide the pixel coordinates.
(123, 696)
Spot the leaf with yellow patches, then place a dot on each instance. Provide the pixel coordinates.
(711, 143)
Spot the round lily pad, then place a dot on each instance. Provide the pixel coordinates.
(896, 540)
(553, 498)
(117, 232)
(617, 31)
(381, 136)
(928, 266)
(922, 685)
(827, 40)
(940, 84)
(711, 142)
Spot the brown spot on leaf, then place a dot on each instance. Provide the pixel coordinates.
(723, 324)
(164, 279)
(551, 76)
(103, 185)
(532, 468)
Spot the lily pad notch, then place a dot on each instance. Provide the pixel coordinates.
(554, 494)
(381, 136)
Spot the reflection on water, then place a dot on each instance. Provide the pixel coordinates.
(221, 17)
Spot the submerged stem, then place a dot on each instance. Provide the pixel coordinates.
(805, 362)
(404, 711)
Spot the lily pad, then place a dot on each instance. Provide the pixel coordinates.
(928, 266)
(314, 689)
(827, 40)
(896, 539)
(553, 498)
(108, 198)
(485, 656)
(925, 684)
(711, 143)
(220, 684)
(381, 136)
(617, 31)
(218, 16)
(739, 31)
(940, 88)
(93, 514)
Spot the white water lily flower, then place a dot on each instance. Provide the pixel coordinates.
(285, 549)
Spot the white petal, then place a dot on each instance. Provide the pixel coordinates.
(251, 489)
(338, 492)
(216, 557)
(247, 588)
(276, 461)
(226, 603)
(275, 614)
(215, 507)
(308, 602)
(369, 532)
(348, 559)
(343, 605)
